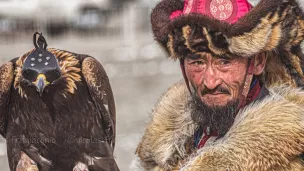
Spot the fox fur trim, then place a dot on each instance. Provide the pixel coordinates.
(266, 135)
(269, 25)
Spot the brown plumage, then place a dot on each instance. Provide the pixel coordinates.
(71, 120)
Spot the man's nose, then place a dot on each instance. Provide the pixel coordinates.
(210, 78)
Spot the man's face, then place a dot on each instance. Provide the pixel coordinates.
(217, 81)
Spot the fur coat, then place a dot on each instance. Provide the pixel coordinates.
(266, 135)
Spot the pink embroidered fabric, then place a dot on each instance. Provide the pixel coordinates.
(176, 14)
(225, 10)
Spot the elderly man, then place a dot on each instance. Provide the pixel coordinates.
(241, 106)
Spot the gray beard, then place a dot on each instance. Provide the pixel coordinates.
(218, 118)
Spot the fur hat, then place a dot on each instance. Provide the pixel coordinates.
(274, 27)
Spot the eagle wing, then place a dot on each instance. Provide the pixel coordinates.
(6, 80)
(101, 93)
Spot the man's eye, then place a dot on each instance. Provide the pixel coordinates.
(224, 62)
(197, 63)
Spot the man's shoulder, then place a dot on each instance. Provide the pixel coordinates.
(276, 101)
(288, 94)
(172, 105)
(171, 100)
(176, 92)
(168, 130)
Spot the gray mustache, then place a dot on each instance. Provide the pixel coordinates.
(217, 89)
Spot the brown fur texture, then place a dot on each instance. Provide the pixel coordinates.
(273, 26)
(168, 131)
(266, 135)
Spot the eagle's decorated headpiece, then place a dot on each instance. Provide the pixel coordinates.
(230, 28)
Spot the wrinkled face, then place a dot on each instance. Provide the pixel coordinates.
(217, 81)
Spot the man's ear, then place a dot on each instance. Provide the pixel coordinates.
(259, 63)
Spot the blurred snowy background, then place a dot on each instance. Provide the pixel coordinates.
(117, 33)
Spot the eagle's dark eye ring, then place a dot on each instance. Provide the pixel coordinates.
(29, 74)
(52, 75)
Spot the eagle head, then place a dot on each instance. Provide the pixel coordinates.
(41, 68)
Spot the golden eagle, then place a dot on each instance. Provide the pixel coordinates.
(58, 108)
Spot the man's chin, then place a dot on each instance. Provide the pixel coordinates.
(218, 115)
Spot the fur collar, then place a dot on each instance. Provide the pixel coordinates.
(266, 135)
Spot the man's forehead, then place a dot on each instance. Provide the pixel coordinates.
(204, 55)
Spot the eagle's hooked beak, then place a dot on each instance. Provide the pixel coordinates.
(41, 83)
